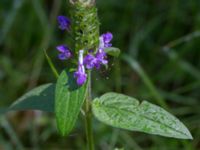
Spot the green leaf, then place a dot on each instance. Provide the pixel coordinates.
(125, 112)
(39, 98)
(68, 101)
(113, 51)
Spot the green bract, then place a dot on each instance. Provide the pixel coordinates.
(113, 51)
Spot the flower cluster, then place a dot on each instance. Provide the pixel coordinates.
(90, 60)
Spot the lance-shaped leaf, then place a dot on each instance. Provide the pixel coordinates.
(126, 112)
(69, 98)
(113, 51)
(39, 98)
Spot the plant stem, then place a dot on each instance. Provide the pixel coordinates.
(88, 117)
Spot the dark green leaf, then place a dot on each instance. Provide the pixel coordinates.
(113, 51)
(39, 98)
(126, 112)
(68, 102)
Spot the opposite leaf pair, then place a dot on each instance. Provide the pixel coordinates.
(114, 109)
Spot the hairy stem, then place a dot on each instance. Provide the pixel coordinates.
(88, 116)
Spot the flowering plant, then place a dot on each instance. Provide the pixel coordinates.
(73, 92)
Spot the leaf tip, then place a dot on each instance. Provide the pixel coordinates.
(189, 136)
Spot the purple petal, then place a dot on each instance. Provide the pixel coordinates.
(100, 54)
(98, 65)
(89, 61)
(81, 79)
(64, 52)
(62, 56)
(64, 22)
(80, 75)
(107, 37)
(101, 58)
(108, 45)
(68, 54)
(104, 61)
(62, 48)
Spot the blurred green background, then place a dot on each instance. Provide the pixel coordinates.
(160, 62)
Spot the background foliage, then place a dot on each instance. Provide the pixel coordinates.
(160, 62)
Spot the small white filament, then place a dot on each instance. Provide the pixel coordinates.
(81, 52)
(81, 57)
(101, 42)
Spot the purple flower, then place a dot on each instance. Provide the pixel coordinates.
(89, 61)
(80, 74)
(105, 40)
(101, 58)
(64, 22)
(64, 52)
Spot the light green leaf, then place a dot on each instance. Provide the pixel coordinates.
(68, 101)
(113, 51)
(125, 112)
(39, 98)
